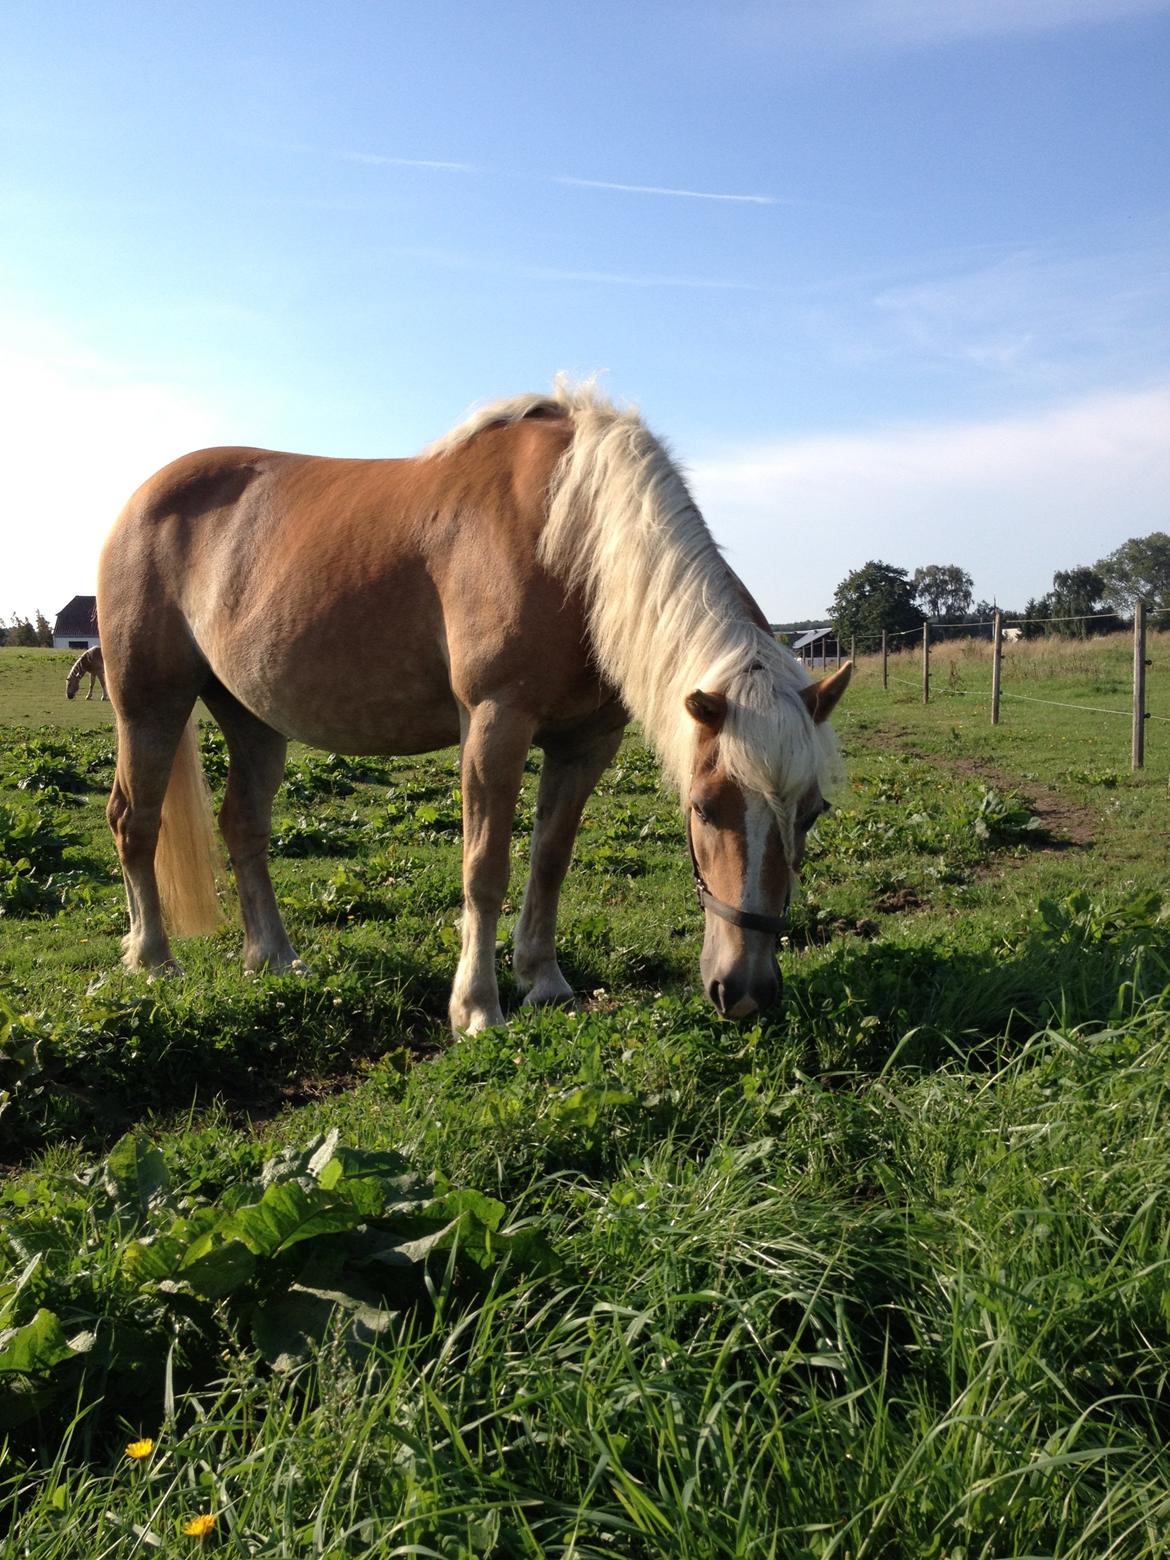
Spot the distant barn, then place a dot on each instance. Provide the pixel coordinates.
(812, 646)
(76, 626)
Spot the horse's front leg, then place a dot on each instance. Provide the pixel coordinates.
(495, 743)
(567, 778)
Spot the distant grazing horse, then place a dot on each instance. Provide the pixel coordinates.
(91, 662)
(539, 576)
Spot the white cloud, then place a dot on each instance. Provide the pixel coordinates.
(1011, 500)
(80, 435)
(1030, 312)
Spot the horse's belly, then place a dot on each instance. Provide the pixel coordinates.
(355, 705)
(375, 728)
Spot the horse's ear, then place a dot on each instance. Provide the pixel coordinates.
(709, 709)
(820, 698)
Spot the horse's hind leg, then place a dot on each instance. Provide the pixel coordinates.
(567, 778)
(255, 769)
(146, 752)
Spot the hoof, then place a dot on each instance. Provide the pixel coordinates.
(276, 964)
(543, 985)
(164, 971)
(138, 962)
(553, 991)
(469, 1020)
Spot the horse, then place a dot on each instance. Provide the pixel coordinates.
(538, 577)
(93, 664)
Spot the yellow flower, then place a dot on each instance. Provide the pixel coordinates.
(199, 1527)
(140, 1449)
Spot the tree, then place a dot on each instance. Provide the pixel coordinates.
(1075, 597)
(1139, 570)
(943, 590)
(21, 633)
(1036, 609)
(43, 630)
(872, 598)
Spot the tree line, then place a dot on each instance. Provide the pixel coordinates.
(20, 632)
(1089, 599)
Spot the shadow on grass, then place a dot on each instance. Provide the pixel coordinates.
(937, 1004)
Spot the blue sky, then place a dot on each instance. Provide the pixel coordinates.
(891, 276)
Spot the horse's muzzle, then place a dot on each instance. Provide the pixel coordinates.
(741, 999)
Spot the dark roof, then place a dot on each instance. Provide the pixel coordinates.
(810, 636)
(79, 617)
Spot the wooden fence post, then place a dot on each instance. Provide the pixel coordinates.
(885, 662)
(853, 647)
(926, 663)
(1138, 754)
(996, 663)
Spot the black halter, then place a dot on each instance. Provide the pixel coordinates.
(747, 919)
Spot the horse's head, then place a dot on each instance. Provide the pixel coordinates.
(747, 845)
(72, 682)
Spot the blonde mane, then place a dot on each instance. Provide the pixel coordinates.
(666, 613)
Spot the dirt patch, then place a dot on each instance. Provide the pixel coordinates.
(1064, 824)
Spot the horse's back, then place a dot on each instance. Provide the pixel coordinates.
(342, 600)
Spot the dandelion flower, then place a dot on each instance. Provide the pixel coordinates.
(199, 1527)
(137, 1450)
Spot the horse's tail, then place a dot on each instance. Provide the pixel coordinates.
(187, 862)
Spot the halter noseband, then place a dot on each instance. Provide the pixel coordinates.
(748, 920)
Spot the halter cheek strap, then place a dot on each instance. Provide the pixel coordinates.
(748, 920)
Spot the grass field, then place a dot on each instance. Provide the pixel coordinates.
(887, 1274)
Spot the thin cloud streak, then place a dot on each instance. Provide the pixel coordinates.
(376, 160)
(660, 189)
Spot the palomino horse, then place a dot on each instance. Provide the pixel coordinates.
(90, 663)
(539, 576)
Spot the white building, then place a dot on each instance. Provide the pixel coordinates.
(76, 626)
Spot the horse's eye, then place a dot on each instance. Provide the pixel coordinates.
(700, 812)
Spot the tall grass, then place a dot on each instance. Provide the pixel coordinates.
(885, 1275)
(1051, 659)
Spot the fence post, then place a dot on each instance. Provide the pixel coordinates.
(853, 647)
(996, 663)
(885, 662)
(1138, 756)
(838, 652)
(926, 663)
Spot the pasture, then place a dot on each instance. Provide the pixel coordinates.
(886, 1274)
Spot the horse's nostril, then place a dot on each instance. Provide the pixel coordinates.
(717, 994)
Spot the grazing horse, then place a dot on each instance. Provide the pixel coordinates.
(539, 576)
(93, 664)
